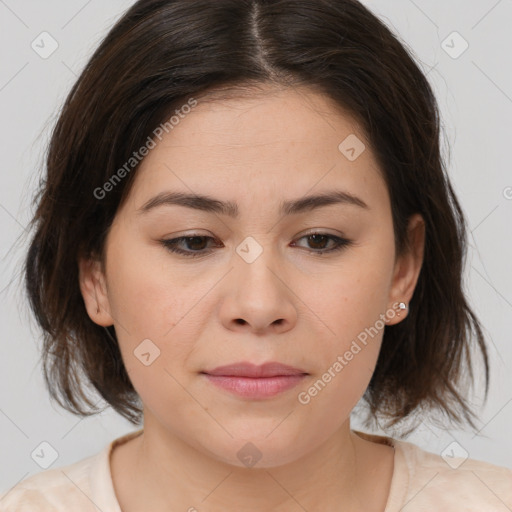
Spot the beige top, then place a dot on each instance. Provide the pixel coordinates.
(421, 482)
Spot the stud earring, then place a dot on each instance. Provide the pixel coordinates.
(402, 306)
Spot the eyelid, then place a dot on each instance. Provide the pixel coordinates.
(320, 231)
(341, 242)
(310, 231)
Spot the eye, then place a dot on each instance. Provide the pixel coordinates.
(319, 241)
(196, 245)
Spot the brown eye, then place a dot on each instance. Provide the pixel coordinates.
(194, 245)
(197, 245)
(319, 242)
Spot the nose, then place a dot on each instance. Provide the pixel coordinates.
(258, 297)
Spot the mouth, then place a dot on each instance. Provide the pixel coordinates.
(255, 382)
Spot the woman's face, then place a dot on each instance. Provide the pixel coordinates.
(253, 284)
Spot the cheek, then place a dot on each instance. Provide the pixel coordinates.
(351, 303)
(331, 396)
(351, 297)
(154, 314)
(147, 295)
(349, 348)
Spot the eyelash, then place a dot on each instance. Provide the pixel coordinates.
(171, 244)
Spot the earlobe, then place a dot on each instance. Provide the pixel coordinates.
(407, 270)
(94, 291)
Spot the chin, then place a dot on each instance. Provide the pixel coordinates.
(259, 448)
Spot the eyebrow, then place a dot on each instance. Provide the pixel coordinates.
(229, 208)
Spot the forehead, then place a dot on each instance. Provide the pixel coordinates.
(267, 116)
(286, 141)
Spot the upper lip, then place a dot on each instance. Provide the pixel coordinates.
(245, 369)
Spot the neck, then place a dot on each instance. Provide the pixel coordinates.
(167, 471)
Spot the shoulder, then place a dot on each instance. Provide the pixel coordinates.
(85, 486)
(53, 490)
(448, 481)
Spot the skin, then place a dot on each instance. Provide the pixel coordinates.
(290, 305)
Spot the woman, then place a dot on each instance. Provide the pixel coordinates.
(246, 227)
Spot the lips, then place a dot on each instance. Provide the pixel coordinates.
(252, 382)
(245, 369)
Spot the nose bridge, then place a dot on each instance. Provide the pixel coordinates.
(255, 262)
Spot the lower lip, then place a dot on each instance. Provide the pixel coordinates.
(256, 388)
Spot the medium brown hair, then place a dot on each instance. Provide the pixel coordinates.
(159, 55)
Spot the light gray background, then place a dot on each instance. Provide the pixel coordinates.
(475, 95)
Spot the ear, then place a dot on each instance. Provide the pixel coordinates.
(407, 269)
(94, 291)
